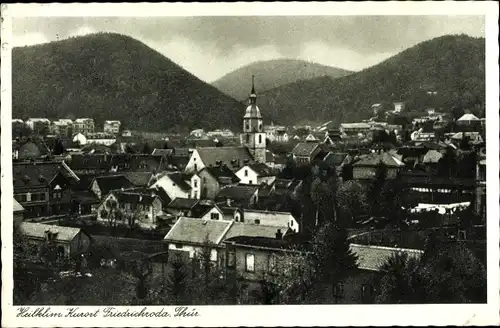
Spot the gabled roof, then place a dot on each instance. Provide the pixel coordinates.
(113, 182)
(374, 257)
(37, 230)
(197, 231)
(179, 178)
(16, 206)
(261, 242)
(140, 179)
(374, 159)
(165, 199)
(210, 155)
(240, 192)
(432, 156)
(305, 148)
(468, 117)
(183, 203)
(162, 152)
(39, 174)
(334, 159)
(262, 169)
(144, 197)
(222, 174)
(251, 230)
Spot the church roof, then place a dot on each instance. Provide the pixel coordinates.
(252, 111)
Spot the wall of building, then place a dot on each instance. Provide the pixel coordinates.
(173, 191)
(247, 176)
(195, 163)
(195, 187)
(209, 185)
(362, 172)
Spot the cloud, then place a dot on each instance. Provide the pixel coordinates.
(29, 39)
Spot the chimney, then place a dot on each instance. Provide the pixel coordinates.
(279, 234)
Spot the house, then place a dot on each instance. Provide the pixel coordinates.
(225, 133)
(39, 125)
(360, 287)
(305, 152)
(18, 211)
(246, 196)
(143, 207)
(283, 220)
(276, 133)
(474, 137)
(62, 127)
(420, 136)
(112, 127)
(100, 138)
(30, 150)
(192, 235)
(431, 159)
(182, 206)
(139, 179)
(43, 187)
(366, 166)
(176, 184)
(162, 152)
(285, 187)
(69, 242)
(332, 137)
(84, 199)
(315, 137)
(80, 139)
(256, 174)
(214, 178)
(399, 107)
(197, 133)
(232, 157)
(103, 185)
(337, 161)
(354, 128)
(468, 119)
(83, 125)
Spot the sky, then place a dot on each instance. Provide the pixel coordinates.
(210, 47)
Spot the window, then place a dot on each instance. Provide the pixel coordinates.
(23, 198)
(260, 138)
(204, 180)
(34, 197)
(250, 181)
(249, 262)
(256, 221)
(196, 167)
(231, 259)
(178, 246)
(195, 183)
(246, 173)
(214, 216)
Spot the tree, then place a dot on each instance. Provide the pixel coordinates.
(112, 213)
(457, 112)
(146, 149)
(332, 257)
(399, 280)
(465, 143)
(352, 201)
(177, 283)
(292, 280)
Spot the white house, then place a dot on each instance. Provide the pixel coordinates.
(80, 138)
(101, 138)
(256, 174)
(283, 220)
(233, 157)
(175, 185)
(112, 126)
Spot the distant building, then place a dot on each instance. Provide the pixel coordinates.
(112, 127)
(68, 241)
(17, 127)
(62, 127)
(39, 125)
(101, 138)
(232, 157)
(198, 133)
(246, 196)
(225, 133)
(214, 178)
(256, 174)
(103, 185)
(354, 128)
(80, 139)
(276, 133)
(366, 166)
(178, 185)
(399, 107)
(43, 187)
(83, 126)
(468, 119)
(305, 152)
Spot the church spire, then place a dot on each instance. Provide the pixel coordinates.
(253, 95)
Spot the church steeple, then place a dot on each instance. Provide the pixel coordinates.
(253, 95)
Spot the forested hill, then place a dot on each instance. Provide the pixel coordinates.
(111, 76)
(272, 74)
(453, 66)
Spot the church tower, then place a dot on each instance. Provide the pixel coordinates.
(253, 136)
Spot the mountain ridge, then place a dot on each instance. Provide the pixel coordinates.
(273, 73)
